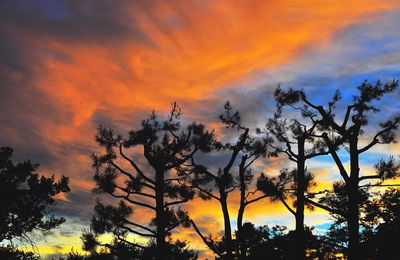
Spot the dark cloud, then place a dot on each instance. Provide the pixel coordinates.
(99, 22)
(21, 116)
(26, 27)
(79, 206)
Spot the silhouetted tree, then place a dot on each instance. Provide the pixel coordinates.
(12, 253)
(177, 250)
(349, 131)
(201, 177)
(277, 242)
(300, 145)
(165, 146)
(26, 197)
(254, 149)
(336, 200)
(383, 214)
(121, 250)
(379, 221)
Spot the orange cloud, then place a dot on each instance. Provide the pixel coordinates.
(189, 54)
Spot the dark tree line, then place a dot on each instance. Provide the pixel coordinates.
(300, 129)
(160, 166)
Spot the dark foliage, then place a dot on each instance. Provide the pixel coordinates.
(161, 165)
(26, 198)
(346, 132)
(117, 250)
(153, 185)
(12, 253)
(384, 216)
(216, 183)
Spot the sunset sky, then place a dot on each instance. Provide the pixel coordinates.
(68, 66)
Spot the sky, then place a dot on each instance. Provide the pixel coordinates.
(68, 66)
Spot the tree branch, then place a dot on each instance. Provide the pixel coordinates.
(256, 199)
(137, 232)
(168, 204)
(339, 164)
(132, 201)
(309, 156)
(140, 226)
(378, 185)
(129, 175)
(208, 243)
(135, 192)
(204, 170)
(375, 140)
(329, 209)
(287, 205)
(322, 112)
(130, 243)
(369, 177)
(346, 117)
(206, 192)
(135, 166)
(174, 226)
(236, 151)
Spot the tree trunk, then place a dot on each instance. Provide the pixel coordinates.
(241, 240)
(227, 225)
(160, 216)
(353, 212)
(301, 187)
(353, 223)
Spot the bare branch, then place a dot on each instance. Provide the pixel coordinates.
(375, 140)
(256, 199)
(346, 117)
(287, 205)
(319, 205)
(168, 204)
(204, 170)
(378, 185)
(309, 156)
(367, 147)
(206, 192)
(205, 240)
(236, 151)
(129, 175)
(325, 116)
(139, 226)
(335, 156)
(135, 166)
(251, 162)
(369, 177)
(132, 201)
(231, 189)
(128, 242)
(137, 232)
(135, 192)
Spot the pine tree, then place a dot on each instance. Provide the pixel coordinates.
(154, 186)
